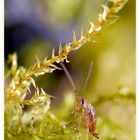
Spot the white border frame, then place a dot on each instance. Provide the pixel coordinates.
(1, 69)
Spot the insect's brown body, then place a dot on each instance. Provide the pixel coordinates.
(89, 117)
(88, 114)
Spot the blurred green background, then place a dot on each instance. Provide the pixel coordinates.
(113, 55)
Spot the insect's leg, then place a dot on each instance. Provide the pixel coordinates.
(77, 109)
(73, 111)
(96, 135)
(87, 133)
(32, 122)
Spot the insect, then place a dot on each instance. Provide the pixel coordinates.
(83, 106)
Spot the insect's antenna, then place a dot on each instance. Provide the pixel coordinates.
(88, 76)
(69, 77)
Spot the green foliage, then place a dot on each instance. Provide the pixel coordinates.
(28, 112)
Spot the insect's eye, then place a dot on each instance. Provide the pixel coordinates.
(82, 101)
